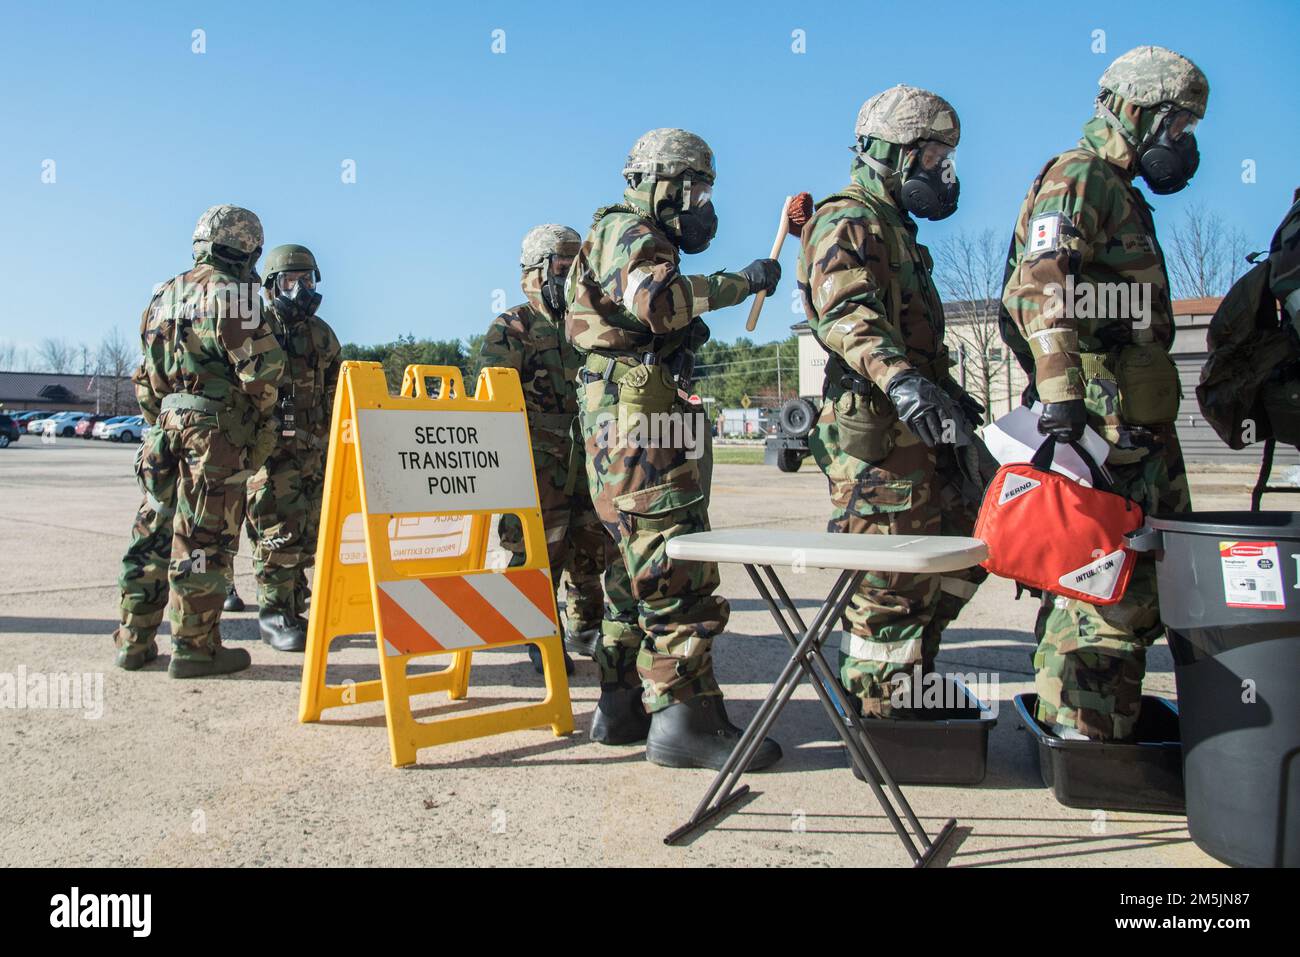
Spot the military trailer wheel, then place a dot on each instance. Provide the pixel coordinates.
(798, 416)
(789, 460)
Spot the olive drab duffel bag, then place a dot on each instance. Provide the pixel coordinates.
(1048, 531)
(1250, 385)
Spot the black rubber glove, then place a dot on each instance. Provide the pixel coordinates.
(926, 409)
(1064, 421)
(762, 274)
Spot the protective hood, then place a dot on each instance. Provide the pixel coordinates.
(662, 200)
(531, 282)
(243, 271)
(1117, 130)
(873, 179)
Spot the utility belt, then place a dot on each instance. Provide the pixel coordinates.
(646, 383)
(1145, 379)
(236, 430)
(841, 378)
(187, 402)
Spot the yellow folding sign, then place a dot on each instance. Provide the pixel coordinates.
(411, 484)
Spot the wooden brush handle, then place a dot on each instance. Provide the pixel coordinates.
(781, 232)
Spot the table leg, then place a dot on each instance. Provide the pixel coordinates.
(807, 659)
(740, 755)
(861, 751)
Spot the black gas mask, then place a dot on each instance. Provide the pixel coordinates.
(931, 188)
(1170, 158)
(553, 288)
(299, 302)
(697, 223)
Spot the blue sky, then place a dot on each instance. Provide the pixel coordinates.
(458, 150)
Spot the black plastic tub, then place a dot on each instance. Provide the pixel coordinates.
(1144, 776)
(937, 745)
(1230, 598)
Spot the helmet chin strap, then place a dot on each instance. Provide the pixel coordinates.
(892, 178)
(1117, 125)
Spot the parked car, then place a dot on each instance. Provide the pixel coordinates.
(23, 418)
(36, 424)
(85, 426)
(128, 430)
(97, 430)
(64, 424)
(9, 431)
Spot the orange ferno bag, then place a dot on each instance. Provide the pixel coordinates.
(1048, 531)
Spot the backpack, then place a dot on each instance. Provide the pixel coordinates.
(1245, 387)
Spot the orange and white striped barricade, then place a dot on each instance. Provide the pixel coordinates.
(412, 482)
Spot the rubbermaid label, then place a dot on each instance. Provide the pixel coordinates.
(1252, 575)
(1014, 487)
(1097, 578)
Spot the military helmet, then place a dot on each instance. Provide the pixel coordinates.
(668, 153)
(231, 226)
(549, 239)
(904, 114)
(1149, 76)
(288, 258)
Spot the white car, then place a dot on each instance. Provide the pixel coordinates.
(61, 423)
(97, 430)
(128, 430)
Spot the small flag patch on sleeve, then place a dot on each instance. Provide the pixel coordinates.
(1045, 232)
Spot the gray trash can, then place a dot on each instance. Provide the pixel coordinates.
(1230, 597)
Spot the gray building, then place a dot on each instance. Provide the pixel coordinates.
(108, 395)
(1199, 440)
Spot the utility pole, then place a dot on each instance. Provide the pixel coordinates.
(779, 400)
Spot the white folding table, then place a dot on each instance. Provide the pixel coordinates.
(853, 556)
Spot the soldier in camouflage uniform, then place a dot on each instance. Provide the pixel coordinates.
(636, 319)
(207, 387)
(530, 339)
(894, 435)
(284, 495)
(1089, 314)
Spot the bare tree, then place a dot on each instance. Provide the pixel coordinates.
(57, 356)
(10, 356)
(968, 272)
(1205, 257)
(114, 363)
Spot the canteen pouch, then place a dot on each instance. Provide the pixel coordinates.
(866, 425)
(646, 389)
(1149, 388)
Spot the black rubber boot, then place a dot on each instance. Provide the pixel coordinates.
(535, 656)
(233, 601)
(224, 661)
(281, 631)
(582, 642)
(620, 716)
(135, 659)
(695, 733)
